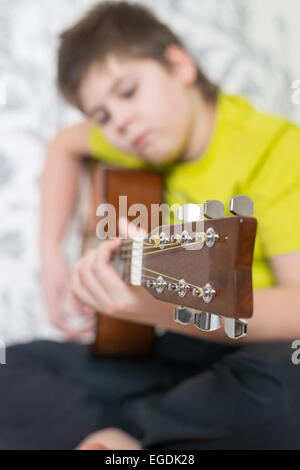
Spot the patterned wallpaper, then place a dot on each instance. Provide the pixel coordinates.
(247, 47)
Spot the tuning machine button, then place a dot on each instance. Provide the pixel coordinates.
(163, 240)
(235, 328)
(207, 321)
(172, 286)
(190, 213)
(160, 284)
(182, 288)
(154, 239)
(185, 238)
(213, 209)
(208, 293)
(183, 315)
(241, 205)
(211, 237)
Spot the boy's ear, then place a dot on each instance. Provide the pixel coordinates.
(181, 64)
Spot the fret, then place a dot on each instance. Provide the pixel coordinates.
(136, 267)
(128, 271)
(122, 261)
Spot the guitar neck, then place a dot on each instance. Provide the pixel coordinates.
(127, 270)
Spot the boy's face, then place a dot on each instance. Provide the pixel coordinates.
(143, 108)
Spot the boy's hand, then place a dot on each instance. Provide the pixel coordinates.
(56, 280)
(96, 283)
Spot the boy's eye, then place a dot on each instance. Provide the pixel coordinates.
(128, 92)
(103, 118)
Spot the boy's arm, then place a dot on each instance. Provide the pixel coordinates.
(60, 183)
(60, 180)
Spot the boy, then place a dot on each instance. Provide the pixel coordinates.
(146, 103)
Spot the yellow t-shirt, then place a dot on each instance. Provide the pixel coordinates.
(251, 153)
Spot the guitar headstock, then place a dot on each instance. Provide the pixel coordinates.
(203, 264)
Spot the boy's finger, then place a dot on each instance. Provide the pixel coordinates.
(80, 334)
(129, 229)
(58, 318)
(75, 307)
(76, 334)
(60, 322)
(81, 288)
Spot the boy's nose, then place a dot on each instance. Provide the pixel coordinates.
(123, 124)
(123, 121)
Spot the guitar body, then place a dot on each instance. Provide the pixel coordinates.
(113, 336)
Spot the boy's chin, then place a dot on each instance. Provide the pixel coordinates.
(160, 159)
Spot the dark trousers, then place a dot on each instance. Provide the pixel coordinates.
(190, 394)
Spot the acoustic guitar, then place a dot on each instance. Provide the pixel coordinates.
(203, 264)
(120, 337)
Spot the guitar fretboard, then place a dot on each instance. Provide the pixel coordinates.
(130, 261)
(123, 259)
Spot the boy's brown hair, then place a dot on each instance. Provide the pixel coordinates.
(118, 28)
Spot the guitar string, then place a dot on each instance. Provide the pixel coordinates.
(126, 241)
(162, 251)
(156, 251)
(173, 279)
(124, 249)
(155, 272)
(151, 278)
(150, 245)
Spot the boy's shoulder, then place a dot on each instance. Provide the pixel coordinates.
(251, 120)
(252, 140)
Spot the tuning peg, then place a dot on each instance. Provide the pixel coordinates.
(213, 209)
(190, 213)
(235, 328)
(183, 315)
(207, 321)
(241, 205)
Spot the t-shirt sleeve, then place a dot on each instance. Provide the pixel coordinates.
(101, 149)
(275, 190)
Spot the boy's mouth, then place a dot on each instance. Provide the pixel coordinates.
(140, 139)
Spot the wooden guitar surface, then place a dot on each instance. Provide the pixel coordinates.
(113, 336)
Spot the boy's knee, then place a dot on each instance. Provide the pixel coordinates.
(259, 401)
